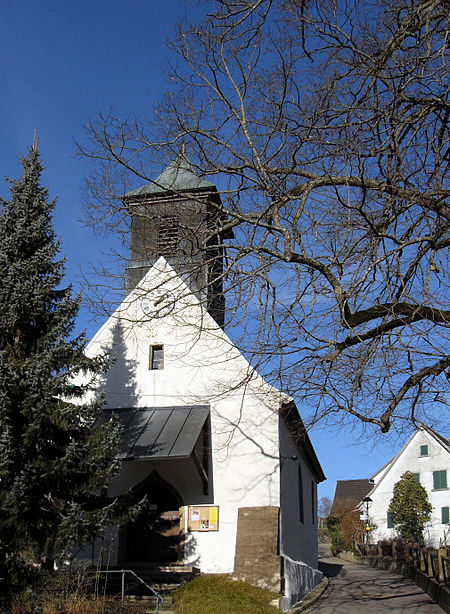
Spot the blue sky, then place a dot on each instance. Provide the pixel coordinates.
(61, 63)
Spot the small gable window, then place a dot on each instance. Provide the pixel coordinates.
(440, 480)
(424, 450)
(156, 361)
(445, 515)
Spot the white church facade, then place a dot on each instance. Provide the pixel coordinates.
(228, 471)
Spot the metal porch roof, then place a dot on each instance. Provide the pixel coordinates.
(158, 432)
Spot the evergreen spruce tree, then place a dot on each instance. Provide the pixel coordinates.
(410, 508)
(54, 464)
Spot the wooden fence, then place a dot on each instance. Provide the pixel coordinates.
(433, 562)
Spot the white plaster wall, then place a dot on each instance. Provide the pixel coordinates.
(410, 460)
(201, 366)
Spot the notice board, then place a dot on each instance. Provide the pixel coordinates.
(203, 518)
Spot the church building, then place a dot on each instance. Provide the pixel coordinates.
(227, 468)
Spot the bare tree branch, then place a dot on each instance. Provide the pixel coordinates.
(325, 126)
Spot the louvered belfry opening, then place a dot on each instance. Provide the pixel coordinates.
(169, 235)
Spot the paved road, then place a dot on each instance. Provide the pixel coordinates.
(357, 588)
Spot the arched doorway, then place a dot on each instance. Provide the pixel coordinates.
(156, 535)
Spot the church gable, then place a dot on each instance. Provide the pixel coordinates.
(168, 350)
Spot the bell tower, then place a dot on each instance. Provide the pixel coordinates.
(180, 216)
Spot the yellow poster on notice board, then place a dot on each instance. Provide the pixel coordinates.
(203, 518)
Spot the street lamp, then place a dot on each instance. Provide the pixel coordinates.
(368, 503)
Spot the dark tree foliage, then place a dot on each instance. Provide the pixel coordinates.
(54, 466)
(410, 508)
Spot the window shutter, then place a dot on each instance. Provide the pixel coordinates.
(439, 480)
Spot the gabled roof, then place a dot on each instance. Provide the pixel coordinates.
(445, 443)
(179, 176)
(349, 493)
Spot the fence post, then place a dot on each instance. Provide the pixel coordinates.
(394, 551)
(441, 554)
(422, 559)
(430, 572)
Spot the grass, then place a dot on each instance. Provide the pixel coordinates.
(209, 594)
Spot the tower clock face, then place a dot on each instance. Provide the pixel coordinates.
(157, 303)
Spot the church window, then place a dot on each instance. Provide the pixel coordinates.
(156, 357)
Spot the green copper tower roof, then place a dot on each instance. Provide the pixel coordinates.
(177, 177)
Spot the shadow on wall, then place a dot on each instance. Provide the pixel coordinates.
(118, 384)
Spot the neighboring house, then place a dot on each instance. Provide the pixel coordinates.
(228, 469)
(427, 455)
(348, 494)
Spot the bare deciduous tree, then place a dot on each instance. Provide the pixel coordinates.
(325, 126)
(325, 504)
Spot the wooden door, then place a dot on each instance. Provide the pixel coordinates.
(156, 536)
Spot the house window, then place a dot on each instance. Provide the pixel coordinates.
(440, 480)
(445, 515)
(417, 477)
(156, 361)
(301, 510)
(423, 450)
(390, 523)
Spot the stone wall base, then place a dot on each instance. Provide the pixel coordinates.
(256, 558)
(300, 579)
(258, 562)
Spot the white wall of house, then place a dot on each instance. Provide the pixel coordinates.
(411, 459)
(201, 366)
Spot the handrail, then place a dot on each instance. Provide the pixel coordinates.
(159, 597)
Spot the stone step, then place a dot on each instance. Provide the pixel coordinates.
(164, 579)
(149, 602)
(150, 599)
(175, 568)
